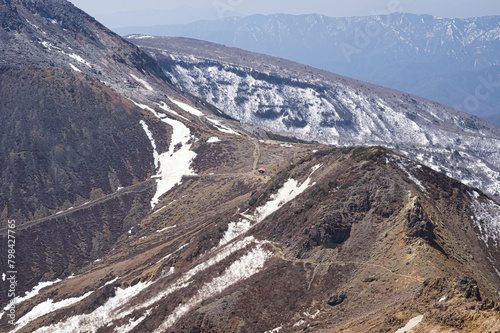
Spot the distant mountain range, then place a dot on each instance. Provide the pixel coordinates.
(452, 61)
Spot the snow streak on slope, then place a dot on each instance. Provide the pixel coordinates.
(143, 82)
(118, 307)
(222, 128)
(411, 324)
(132, 323)
(46, 307)
(100, 317)
(213, 139)
(176, 162)
(243, 268)
(35, 291)
(407, 165)
(287, 193)
(156, 156)
(188, 108)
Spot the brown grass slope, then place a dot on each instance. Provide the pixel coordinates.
(363, 249)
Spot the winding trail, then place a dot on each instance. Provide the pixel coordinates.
(283, 257)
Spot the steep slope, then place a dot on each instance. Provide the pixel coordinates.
(67, 137)
(340, 240)
(407, 52)
(79, 149)
(295, 100)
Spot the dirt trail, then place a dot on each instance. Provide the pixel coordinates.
(139, 187)
(283, 257)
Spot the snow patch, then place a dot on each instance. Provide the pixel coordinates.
(132, 323)
(159, 210)
(29, 294)
(145, 107)
(174, 164)
(185, 280)
(165, 107)
(79, 59)
(171, 254)
(287, 193)
(234, 229)
(290, 190)
(213, 139)
(222, 128)
(311, 316)
(46, 307)
(167, 228)
(73, 67)
(143, 82)
(139, 37)
(411, 324)
(100, 317)
(299, 323)
(187, 108)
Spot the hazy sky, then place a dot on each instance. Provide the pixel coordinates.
(102, 9)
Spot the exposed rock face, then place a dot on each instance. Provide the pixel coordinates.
(418, 223)
(337, 299)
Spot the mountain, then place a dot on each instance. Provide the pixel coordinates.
(67, 134)
(295, 100)
(134, 206)
(450, 61)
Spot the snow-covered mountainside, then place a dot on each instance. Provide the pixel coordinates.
(441, 59)
(295, 100)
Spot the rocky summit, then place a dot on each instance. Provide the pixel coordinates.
(131, 205)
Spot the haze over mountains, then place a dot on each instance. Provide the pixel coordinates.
(451, 61)
(137, 206)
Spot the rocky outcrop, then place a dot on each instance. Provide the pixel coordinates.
(418, 223)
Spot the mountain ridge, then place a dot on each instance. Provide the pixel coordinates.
(398, 51)
(300, 101)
